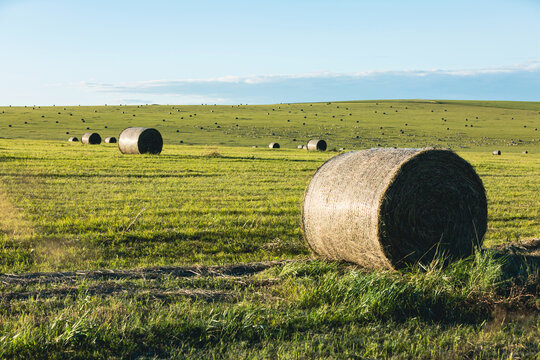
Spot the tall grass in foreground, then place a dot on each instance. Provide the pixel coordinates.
(307, 309)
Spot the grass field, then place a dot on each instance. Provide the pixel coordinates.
(173, 222)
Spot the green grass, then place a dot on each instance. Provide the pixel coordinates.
(499, 124)
(216, 200)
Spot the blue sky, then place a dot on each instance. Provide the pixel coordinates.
(96, 52)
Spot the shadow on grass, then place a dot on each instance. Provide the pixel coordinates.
(520, 265)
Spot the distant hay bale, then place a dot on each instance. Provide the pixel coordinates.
(73, 139)
(273, 145)
(316, 145)
(300, 147)
(388, 208)
(140, 140)
(525, 152)
(91, 138)
(110, 140)
(497, 152)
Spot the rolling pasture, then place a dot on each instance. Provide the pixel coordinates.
(198, 252)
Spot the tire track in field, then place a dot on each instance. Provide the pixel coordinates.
(111, 289)
(231, 270)
(108, 284)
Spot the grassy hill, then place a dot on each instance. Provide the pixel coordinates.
(470, 125)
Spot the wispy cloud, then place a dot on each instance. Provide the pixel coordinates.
(519, 82)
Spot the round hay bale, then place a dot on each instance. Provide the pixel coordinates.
(273, 146)
(300, 147)
(140, 140)
(525, 152)
(316, 145)
(91, 138)
(497, 152)
(110, 140)
(388, 208)
(73, 139)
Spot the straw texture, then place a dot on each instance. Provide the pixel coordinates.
(316, 145)
(91, 138)
(388, 208)
(140, 140)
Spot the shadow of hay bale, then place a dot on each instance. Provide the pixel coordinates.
(521, 261)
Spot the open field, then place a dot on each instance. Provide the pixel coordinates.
(472, 125)
(214, 200)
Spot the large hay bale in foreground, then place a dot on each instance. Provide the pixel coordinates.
(388, 208)
(140, 140)
(316, 145)
(273, 145)
(91, 138)
(110, 140)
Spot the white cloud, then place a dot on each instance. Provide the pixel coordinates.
(264, 79)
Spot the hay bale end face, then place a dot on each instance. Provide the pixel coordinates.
(91, 138)
(140, 140)
(73, 139)
(389, 208)
(110, 140)
(497, 152)
(316, 145)
(273, 145)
